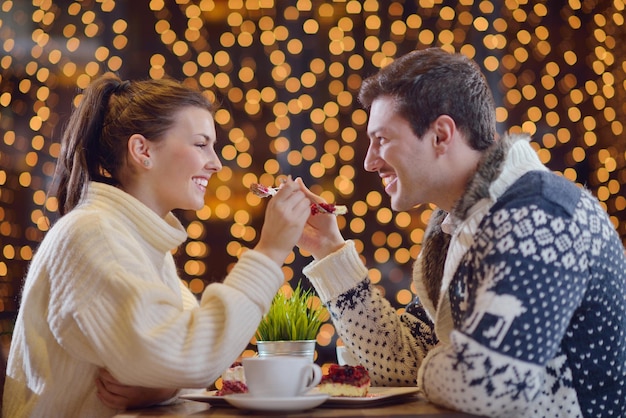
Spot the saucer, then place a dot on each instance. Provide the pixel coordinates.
(297, 403)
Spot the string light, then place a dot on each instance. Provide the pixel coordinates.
(288, 78)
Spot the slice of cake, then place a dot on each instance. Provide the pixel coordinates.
(353, 381)
(233, 381)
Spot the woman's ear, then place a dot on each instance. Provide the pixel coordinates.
(139, 151)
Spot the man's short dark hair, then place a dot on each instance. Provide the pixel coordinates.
(428, 83)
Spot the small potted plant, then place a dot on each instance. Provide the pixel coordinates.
(291, 324)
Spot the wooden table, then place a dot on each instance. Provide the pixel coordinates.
(410, 407)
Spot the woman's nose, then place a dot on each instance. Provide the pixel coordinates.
(214, 163)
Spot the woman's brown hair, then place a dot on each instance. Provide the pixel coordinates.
(94, 143)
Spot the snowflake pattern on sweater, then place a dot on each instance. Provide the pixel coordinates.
(537, 310)
(550, 302)
(517, 341)
(550, 294)
(371, 322)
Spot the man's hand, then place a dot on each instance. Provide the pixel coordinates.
(321, 235)
(118, 396)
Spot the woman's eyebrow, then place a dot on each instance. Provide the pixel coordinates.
(206, 137)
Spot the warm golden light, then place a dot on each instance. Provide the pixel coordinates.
(286, 80)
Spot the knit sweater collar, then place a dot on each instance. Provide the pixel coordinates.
(164, 234)
(500, 166)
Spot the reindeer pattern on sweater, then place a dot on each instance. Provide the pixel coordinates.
(520, 307)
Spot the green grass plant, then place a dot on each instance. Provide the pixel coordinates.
(290, 318)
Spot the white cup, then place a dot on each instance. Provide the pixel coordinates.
(280, 376)
(345, 357)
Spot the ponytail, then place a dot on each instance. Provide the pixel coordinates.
(80, 145)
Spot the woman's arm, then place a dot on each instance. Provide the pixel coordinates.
(118, 396)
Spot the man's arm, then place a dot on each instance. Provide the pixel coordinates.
(389, 345)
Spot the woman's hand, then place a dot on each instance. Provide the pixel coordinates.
(118, 396)
(321, 235)
(285, 216)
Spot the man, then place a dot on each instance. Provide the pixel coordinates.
(521, 281)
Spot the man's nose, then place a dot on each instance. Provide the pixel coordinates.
(372, 160)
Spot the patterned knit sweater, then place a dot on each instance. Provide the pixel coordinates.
(521, 302)
(103, 291)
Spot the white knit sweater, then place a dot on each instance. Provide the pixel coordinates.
(103, 291)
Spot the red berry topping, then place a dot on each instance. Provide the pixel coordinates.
(351, 375)
(232, 386)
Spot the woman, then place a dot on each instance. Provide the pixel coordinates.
(102, 303)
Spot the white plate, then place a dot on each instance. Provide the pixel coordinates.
(375, 396)
(206, 396)
(298, 403)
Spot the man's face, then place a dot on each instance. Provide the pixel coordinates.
(405, 162)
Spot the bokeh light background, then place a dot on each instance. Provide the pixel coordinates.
(286, 75)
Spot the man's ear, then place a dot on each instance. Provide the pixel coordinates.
(139, 151)
(444, 129)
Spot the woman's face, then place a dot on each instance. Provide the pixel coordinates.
(183, 162)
